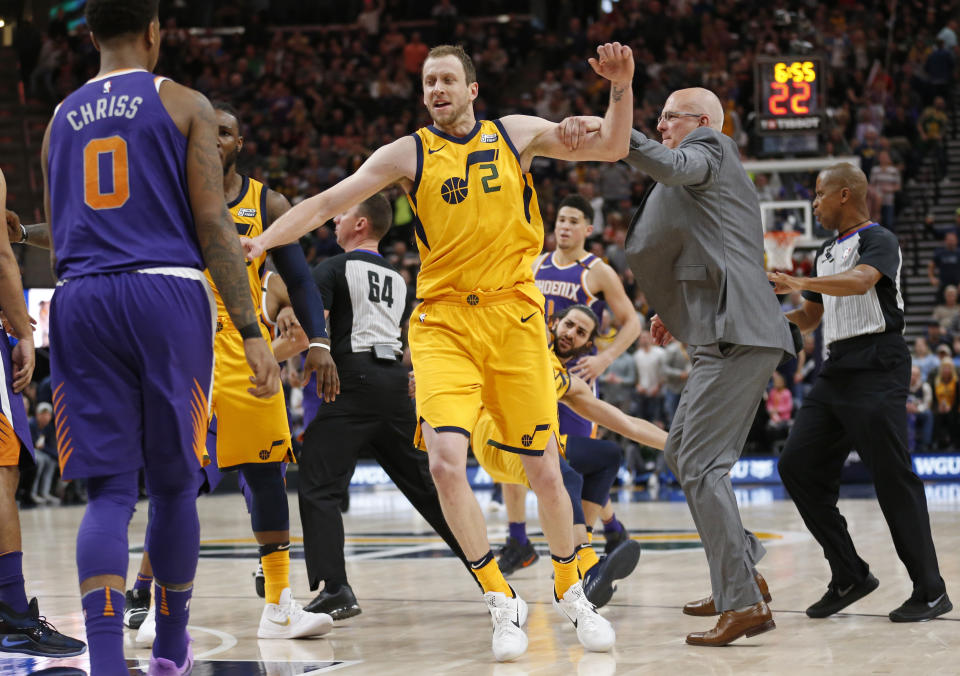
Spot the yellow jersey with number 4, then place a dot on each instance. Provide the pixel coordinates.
(476, 214)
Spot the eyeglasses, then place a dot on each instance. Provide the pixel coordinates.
(670, 116)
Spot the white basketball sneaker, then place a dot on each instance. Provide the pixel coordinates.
(508, 615)
(288, 619)
(593, 630)
(148, 630)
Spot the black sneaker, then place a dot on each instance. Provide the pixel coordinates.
(598, 581)
(915, 610)
(31, 634)
(339, 605)
(614, 539)
(136, 607)
(836, 600)
(513, 556)
(259, 581)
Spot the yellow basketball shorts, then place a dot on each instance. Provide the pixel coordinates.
(473, 350)
(248, 429)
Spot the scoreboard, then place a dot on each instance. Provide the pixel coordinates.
(789, 94)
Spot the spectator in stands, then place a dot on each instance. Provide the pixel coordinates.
(45, 443)
(945, 404)
(648, 397)
(944, 267)
(948, 35)
(937, 338)
(923, 358)
(939, 68)
(932, 126)
(885, 180)
(947, 313)
(779, 409)
(617, 382)
(676, 369)
(919, 413)
(808, 366)
(414, 54)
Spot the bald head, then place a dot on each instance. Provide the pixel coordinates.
(700, 100)
(845, 175)
(841, 199)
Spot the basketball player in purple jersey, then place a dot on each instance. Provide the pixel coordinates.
(571, 276)
(133, 191)
(22, 630)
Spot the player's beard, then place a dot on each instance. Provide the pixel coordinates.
(450, 115)
(230, 162)
(572, 353)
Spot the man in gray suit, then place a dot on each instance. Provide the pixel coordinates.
(696, 248)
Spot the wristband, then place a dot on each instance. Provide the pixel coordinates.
(323, 345)
(23, 234)
(251, 330)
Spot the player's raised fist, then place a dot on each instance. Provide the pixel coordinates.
(614, 62)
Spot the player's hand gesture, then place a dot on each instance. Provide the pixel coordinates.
(23, 357)
(251, 247)
(14, 233)
(614, 62)
(288, 324)
(266, 370)
(328, 380)
(573, 130)
(661, 336)
(783, 283)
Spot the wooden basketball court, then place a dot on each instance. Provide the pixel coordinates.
(422, 613)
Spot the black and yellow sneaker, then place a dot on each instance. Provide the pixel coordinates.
(136, 607)
(31, 634)
(513, 556)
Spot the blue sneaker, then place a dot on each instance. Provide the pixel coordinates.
(31, 634)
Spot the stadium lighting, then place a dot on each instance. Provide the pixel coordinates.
(2, 23)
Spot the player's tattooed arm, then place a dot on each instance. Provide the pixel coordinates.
(216, 232)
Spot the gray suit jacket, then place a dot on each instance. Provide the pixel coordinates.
(695, 244)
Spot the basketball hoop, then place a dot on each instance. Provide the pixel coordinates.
(778, 246)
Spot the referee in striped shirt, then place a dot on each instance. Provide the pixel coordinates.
(858, 401)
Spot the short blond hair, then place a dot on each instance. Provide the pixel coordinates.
(469, 70)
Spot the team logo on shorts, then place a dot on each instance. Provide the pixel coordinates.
(527, 439)
(473, 299)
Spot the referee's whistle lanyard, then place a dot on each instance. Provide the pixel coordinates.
(854, 229)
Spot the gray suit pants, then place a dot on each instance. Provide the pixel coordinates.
(706, 438)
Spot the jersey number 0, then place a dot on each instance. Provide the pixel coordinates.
(106, 176)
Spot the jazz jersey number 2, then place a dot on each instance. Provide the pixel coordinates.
(106, 174)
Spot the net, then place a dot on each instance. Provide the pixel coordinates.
(778, 246)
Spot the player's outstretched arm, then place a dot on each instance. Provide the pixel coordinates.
(534, 136)
(307, 304)
(221, 249)
(14, 306)
(581, 399)
(392, 163)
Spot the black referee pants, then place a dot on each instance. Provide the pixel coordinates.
(371, 412)
(859, 402)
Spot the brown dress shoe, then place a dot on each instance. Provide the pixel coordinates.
(706, 608)
(735, 623)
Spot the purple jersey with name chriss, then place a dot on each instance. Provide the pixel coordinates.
(563, 286)
(118, 180)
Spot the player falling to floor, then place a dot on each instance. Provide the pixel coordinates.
(22, 629)
(573, 331)
(477, 338)
(133, 196)
(567, 276)
(253, 436)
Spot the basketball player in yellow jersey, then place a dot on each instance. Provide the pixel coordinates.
(253, 436)
(478, 338)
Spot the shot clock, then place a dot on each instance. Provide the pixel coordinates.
(789, 94)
